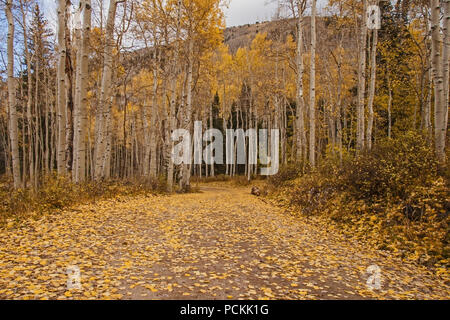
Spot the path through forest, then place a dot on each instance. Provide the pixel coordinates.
(222, 243)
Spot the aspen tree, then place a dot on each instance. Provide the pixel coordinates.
(173, 99)
(438, 79)
(70, 127)
(361, 80)
(29, 97)
(300, 103)
(104, 107)
(373, 75)
(61, 88)
(76, 113)
(312, 89)
(154, 112)
(446, 61)
(13, 124)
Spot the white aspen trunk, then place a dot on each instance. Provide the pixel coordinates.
(153, 144)
(172, 124)
(24, 135)
(166, 129)
(106, 165)
(77, 94)
(361, 80)
(188, 110)
(428, 105)
(300, 122)
(373, 75)
(13, 123)
(438, 77)
(37, 126)
(104, 106)
(339, 103)
(70, 100)
(29, 98)
(429, 80)
(47, 126)
(211, 126)
(82, 99)
(446, 62)
(61, 79)
(146, 140)
(170, 170)
(312, 90)
(389, 105)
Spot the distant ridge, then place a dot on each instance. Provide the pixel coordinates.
(241, 36)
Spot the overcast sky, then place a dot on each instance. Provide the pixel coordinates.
(239, 12)
(249, 11)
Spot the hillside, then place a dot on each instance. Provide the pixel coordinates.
(241, 36)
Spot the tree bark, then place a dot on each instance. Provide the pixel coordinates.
(173, 87)
(361, 80)
(13, 123)
(61, 79)
(373, 76)
(312, 89)
(29, 99)
(300, 103)
(445, 57)
(188, 109)
(105, 95)
(153, 142)
(438, 78)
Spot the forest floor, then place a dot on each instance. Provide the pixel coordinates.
(220, 243)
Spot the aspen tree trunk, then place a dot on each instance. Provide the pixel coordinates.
(170, 171)
(339, 103)
(61, 79)
(77, 94)
(172, 124)
(428, 78)
(225, 122)
(300, 122)
(146, 140)
(13, 124)
(389, 105)
(53, 134)
(153, 142)
(446, 56)
(105, 95)
(24, 135)
(373, 75)
(361, 80)
(188, 109)
(82, 99)
(438, 77)
(29, 99)
(47, 126)
(428, 104)
(37, 126)
(166, 129)
(6, 144)
(211, 126)
(106, 165)
(106, 121)
(312, 90)
(70, 100)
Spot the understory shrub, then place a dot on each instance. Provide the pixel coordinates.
(57, 192)
(286, 173)
(395, 196)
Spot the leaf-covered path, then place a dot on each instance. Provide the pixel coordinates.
(221, 243)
